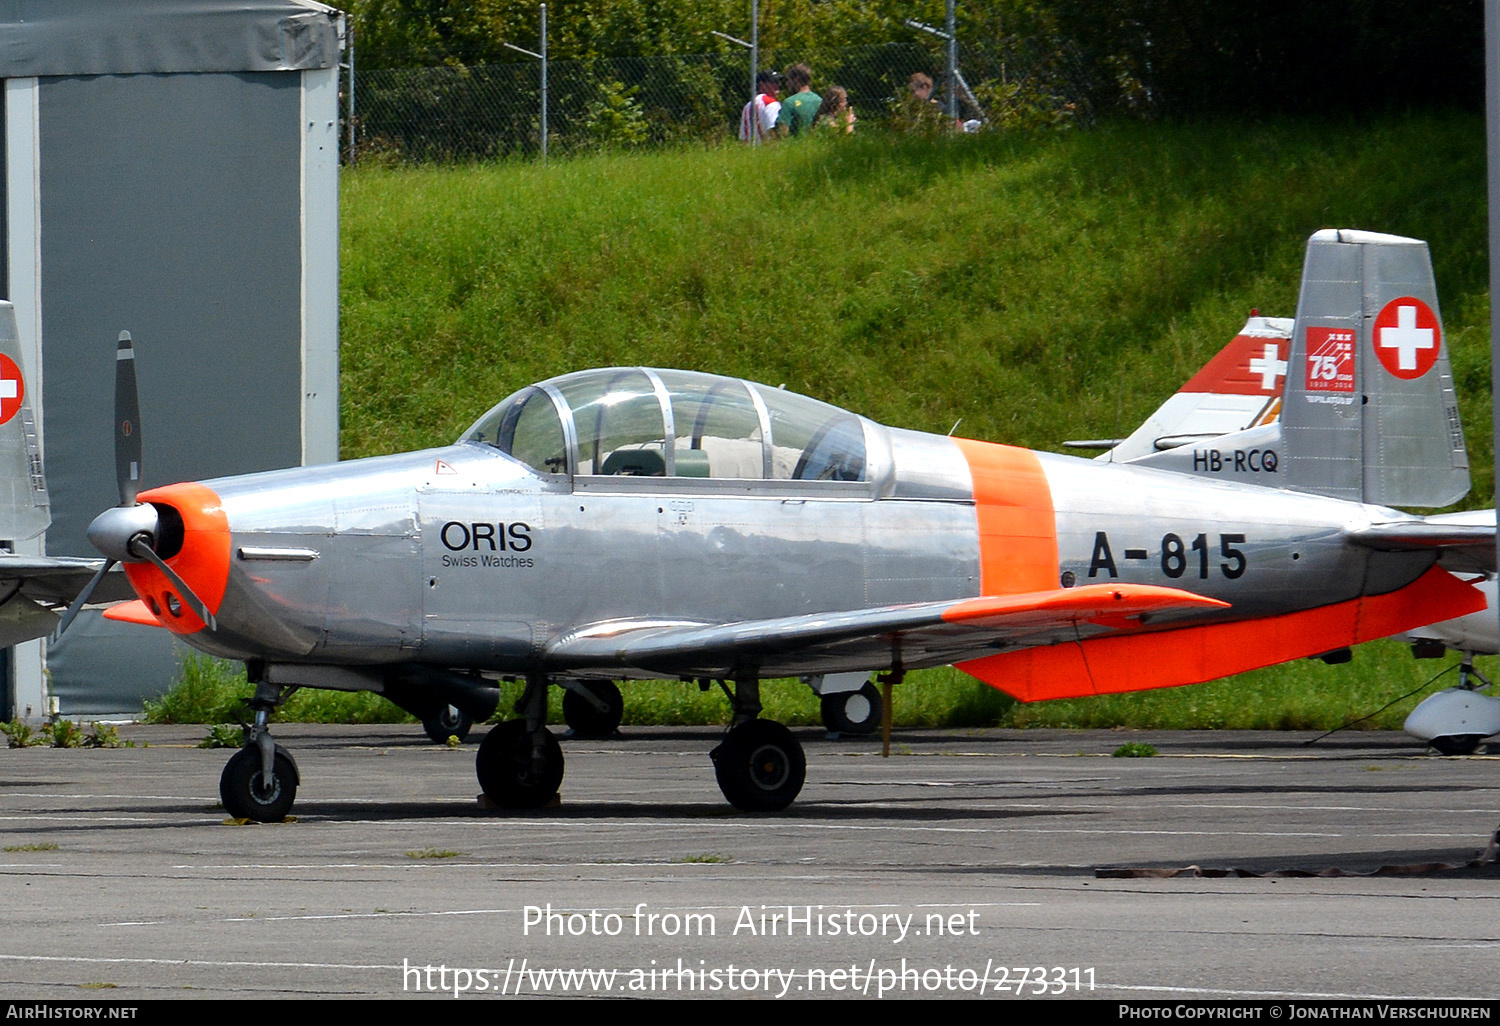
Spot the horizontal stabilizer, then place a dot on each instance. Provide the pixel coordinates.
(1466, 540)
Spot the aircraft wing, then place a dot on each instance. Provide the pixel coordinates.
(31, 585)
(923, 634)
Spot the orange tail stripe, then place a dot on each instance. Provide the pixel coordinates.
(1190, 655)
(1017, 522)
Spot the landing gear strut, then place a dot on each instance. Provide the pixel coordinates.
(760, 766)
(520, 764)
(260, 780)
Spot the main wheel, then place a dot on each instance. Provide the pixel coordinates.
(584, 718)
(760, 766)
(248, 795)
(508, 774)
(853, 712)
(450, 722)
(1456, 744)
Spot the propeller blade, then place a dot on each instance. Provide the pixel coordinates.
(127, 423)
(186, 593)
(82, 600)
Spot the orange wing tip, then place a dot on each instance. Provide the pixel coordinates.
(134, 611)
(1089, 602)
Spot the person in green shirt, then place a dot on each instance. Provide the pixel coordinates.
(800, 108)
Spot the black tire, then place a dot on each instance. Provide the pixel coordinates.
(853, 712)
(450, 722)
(505, 770)
(1457, 744)
(246, 796)
(760, 766)
(587, 721)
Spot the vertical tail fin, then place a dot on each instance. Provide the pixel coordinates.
(24, 509)
(1370, 412)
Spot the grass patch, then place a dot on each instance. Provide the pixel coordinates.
(1375, 691)
(433, 853)
(707, 858)
(215, 691)
(21, 735)
(1037, 287)
(224, 735)
(1134, 750)
(37, 846)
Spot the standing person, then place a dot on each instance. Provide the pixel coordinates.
(758, 117)
(835, 112)
(920, 85)
(920, 109)
(800, 109)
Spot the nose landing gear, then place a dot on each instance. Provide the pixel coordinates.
(260, 780)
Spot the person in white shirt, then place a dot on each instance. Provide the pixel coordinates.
(759, 115)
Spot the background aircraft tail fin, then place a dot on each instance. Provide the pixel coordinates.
(1370, 412)
(24, 508)
(1239, 389)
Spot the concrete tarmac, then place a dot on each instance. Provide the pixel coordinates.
(1001, 862)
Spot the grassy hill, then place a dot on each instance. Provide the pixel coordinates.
(1030, 288)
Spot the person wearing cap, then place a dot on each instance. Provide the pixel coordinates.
(758, 117)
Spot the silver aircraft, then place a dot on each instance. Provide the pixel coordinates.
(630, 523)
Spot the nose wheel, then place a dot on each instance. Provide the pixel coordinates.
(249, 792)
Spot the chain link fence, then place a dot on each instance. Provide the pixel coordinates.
(450, 114)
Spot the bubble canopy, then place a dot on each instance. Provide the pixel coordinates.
(640, 422)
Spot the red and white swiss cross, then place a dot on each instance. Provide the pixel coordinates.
(1407, 337)
(12, 388)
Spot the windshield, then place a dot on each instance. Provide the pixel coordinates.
(637, 422)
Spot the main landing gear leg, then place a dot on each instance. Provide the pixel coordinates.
(260, 780)
(520, 764)
(760, 766)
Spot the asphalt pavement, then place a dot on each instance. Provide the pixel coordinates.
(1230, 865)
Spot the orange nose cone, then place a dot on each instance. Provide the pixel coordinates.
(202, 562)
